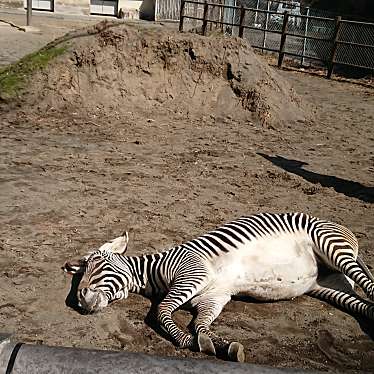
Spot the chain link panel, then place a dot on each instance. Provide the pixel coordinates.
(310, 32)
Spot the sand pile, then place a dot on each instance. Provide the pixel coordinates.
(124, 67)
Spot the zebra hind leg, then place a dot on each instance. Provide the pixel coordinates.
(355, 270)
(208, 309)
(337, 247)
(347, 302)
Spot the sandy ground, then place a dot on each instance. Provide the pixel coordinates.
(70, 182)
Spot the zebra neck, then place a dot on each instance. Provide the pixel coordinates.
(146, 274)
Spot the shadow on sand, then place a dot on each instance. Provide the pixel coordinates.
(344, 186)
(72, 299)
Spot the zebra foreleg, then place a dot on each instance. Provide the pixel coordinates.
(191, 279)
(179, 294)
(208, 309)
(164, 316)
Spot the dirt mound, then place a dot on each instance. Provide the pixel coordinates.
(123, 68)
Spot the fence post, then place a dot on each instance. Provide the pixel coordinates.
(305, 35)
(334, 46)
(205, 16)
(181, 16)
(29, 12)
(241, 23)
(283, 39)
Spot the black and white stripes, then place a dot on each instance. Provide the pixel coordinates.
(206, 271)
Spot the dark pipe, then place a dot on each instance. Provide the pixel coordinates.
(41, 359)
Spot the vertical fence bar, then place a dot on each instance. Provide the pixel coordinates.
(233, 17)
(256, 14)
(283, 39)
(241, 22)
(217, 17)
(221, 14)
(334, 46)
(175, 9)
(266, 26)
(29, 12)
(213, 13)
(205, 16)
(195, 13)
(305, 35)
(157, 13)
(211, 16)
(181, 16)
(226, 17)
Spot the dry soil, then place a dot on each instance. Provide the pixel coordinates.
(167, 136)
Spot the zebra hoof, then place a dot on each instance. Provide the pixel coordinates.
(206, 345)
(236, 352)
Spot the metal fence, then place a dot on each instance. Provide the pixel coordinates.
(310, 33)
(356, 44)
(167, 10)
(295, 32)
(171, 9)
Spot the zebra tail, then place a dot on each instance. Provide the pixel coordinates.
(364, 268)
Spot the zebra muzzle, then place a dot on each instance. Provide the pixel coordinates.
(92, 301)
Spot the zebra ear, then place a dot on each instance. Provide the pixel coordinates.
(123, 241)
(117, 245)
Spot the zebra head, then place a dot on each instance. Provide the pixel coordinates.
(105, 275)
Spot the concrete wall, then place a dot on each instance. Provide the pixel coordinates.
(77, 7)
(128, 9)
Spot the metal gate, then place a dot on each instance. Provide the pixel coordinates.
(104, 7)
(41, 5)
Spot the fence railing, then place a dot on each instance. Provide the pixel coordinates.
(327, 41)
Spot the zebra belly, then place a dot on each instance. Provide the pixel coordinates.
(271, 268)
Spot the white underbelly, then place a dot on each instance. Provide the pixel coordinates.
(268, 269)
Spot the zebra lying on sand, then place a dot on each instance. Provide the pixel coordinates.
(264, 256)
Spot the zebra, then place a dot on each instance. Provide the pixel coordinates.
(265, 256)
